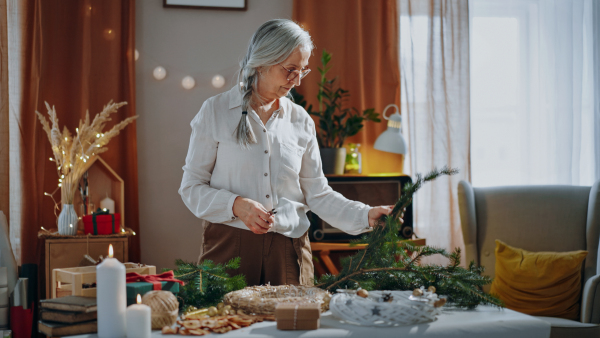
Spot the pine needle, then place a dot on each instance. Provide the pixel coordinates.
(206, 283)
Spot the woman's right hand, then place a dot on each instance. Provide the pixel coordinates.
(254, 215)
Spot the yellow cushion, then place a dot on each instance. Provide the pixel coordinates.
(539, 283)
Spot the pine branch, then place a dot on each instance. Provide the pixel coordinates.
(360, 272)
(207, 282)
(376, 267)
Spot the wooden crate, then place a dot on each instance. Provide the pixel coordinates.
(69, 281)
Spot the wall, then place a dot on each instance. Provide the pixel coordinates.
(195, 42)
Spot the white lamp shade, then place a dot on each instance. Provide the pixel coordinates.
(391, 141)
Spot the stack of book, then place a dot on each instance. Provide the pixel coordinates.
(67, 316)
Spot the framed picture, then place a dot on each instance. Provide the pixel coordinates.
(237, 5)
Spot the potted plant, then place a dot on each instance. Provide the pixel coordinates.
(336, 122)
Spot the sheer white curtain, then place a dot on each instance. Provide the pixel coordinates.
(434, 70)
(534, 92)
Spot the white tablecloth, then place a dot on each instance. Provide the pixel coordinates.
(485, 321)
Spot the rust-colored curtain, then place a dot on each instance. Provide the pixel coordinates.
(77, 55)
(362, 36)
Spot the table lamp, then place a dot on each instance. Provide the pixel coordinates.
(392, 140)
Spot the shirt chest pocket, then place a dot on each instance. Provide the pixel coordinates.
(291, 156)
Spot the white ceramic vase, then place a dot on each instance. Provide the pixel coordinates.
(67, 220)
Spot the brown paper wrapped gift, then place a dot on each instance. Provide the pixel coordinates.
(298, 316)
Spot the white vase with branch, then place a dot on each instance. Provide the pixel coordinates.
(73, 154)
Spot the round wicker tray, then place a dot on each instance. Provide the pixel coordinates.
(404, 309)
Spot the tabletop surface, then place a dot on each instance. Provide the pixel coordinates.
(485, 321)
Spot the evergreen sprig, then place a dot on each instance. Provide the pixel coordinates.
(206, 283)
(385, 264)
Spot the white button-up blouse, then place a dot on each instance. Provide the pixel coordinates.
(282, 171)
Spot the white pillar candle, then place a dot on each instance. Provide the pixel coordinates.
(111, 297)
(139, 320)
(108, 204)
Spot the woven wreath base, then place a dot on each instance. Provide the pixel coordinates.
(262, 300)
(371, 311)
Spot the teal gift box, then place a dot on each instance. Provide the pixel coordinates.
(140, 288)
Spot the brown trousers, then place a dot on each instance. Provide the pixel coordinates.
(268, 258)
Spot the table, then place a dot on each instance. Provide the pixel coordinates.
(485, 321)
(323, 251)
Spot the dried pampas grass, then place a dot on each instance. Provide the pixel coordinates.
(74, 154)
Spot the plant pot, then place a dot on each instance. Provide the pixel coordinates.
(67, 221)
(333, 160)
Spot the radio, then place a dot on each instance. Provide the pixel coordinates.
(372, 190)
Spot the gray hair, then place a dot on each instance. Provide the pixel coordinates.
(271, 44)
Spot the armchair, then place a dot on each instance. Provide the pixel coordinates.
(538, 218)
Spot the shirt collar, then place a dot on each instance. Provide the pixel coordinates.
(235, 100)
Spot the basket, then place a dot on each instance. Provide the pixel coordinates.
(404, 309)
(262, 300)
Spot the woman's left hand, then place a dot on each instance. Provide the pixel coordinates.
(376, 212)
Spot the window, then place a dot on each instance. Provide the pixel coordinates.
(531, 92)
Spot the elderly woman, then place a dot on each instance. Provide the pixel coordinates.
(253, 167)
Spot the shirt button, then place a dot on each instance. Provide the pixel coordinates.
(267, 196)
(232, 217)
(264, 130)
(266, 174)
(266, 151)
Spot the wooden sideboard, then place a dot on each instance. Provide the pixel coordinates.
(69, 253)
(329, 254)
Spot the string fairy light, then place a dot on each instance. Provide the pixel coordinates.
(55, 204)
(70, 154)
(159, 73)
(188, 82)
(214, 79)
(218, 81)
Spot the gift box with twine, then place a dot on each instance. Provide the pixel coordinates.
(298, 316)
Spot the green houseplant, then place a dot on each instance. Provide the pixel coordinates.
(336, 121)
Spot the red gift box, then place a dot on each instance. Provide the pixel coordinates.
(102, 224)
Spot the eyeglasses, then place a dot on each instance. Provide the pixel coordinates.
(293, 74)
